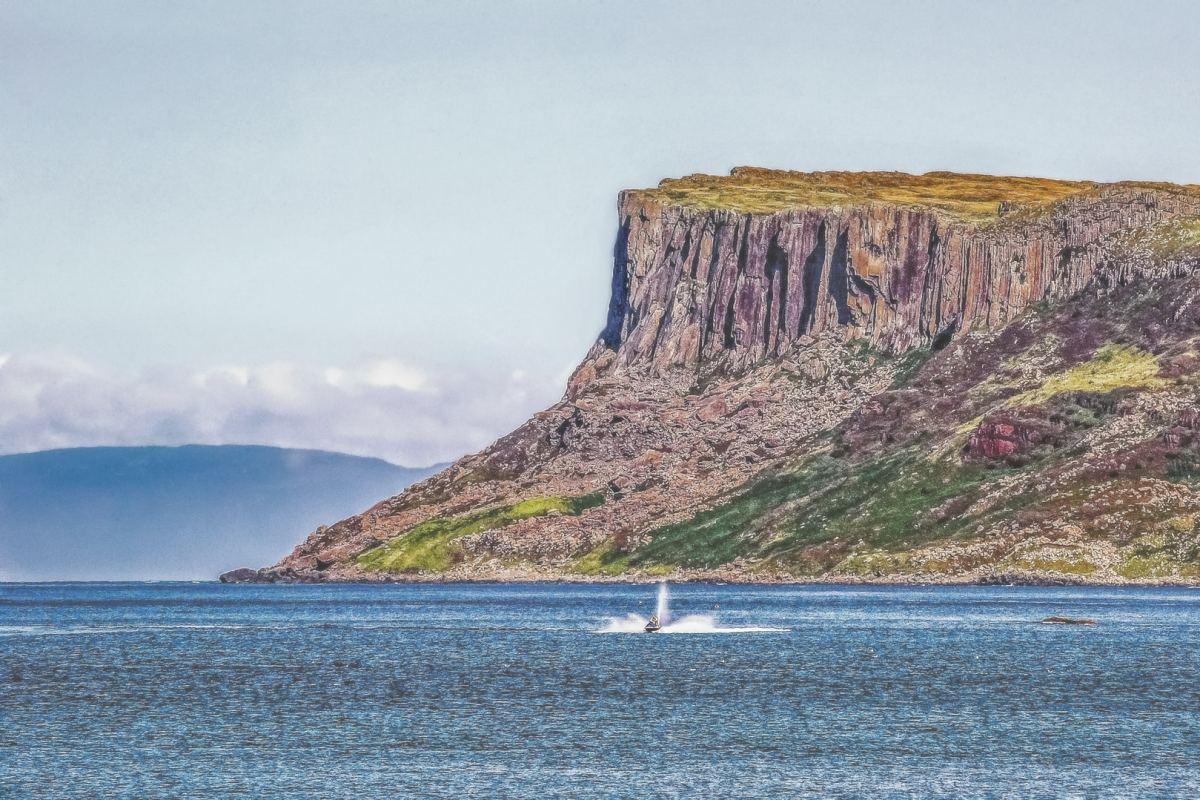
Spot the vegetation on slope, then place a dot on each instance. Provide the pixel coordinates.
(431, 546)
(807, 520)
(763, 191)
(1168, 240)
(1112, 367)
(1065, 445)
(974, 198)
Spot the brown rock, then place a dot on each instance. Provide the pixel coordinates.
(241, 575)
(736, 336)
(711, 410)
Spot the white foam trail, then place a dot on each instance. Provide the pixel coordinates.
(693, 623)
(630, 623)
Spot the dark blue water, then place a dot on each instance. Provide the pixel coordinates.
(208, 691)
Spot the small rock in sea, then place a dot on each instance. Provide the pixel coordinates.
(241, 575)
(1068, 621)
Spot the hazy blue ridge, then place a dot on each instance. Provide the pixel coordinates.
(182, 513)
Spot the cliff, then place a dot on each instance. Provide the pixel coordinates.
(701, 285)
(843, 376)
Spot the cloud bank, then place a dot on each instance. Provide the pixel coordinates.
(384, 408)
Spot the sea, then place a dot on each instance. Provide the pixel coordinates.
(180, 690)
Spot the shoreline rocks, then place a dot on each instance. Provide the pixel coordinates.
(242, 575)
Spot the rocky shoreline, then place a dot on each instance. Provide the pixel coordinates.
(525, 575)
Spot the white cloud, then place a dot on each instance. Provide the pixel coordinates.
(236, 374)
(385, 408)
(388, 373)
(335, 376)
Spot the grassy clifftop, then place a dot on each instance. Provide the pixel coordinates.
(964, 196)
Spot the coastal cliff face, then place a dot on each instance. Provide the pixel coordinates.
(703, 288)
(867, 376)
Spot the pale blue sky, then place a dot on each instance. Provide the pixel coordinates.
(196, 187)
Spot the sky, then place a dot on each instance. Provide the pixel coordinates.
(386, 228)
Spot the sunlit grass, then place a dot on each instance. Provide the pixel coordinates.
(971, 197)
(1112, 367)
(604, 560)
(432, 545)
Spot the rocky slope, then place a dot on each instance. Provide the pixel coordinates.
(847, 376)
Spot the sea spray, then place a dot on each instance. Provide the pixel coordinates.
(663, 610)
(692, 623)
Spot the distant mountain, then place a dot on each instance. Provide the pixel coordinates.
(142, 513)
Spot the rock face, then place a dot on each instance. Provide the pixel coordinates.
(697, 288)
(241, 575)
(781, 347)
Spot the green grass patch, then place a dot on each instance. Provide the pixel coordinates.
(890, 503)
(1183, 467)
(1113, 367)
(723, 533)
(604, 560)
(861, 356)
(908, 365)
(1063, 566)
(873, 563)
(894, 503)
(1174, 550)
(432, 545)
(1153, 566)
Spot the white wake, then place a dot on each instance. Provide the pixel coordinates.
(693, 623)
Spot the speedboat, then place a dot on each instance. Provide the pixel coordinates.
(652, 626)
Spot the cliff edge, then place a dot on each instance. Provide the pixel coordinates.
(846, 376)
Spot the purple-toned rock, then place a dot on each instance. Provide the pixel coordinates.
(750, 315)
